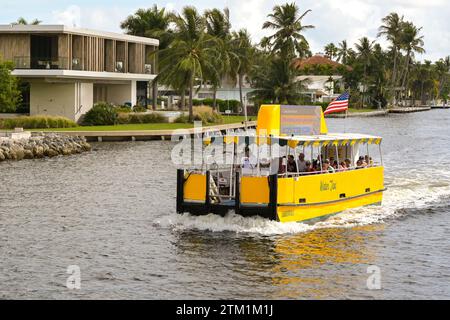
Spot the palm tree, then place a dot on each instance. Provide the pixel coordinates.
(392, 29)
(364, 50)
(152, 23)
(244, 51)
(218, 23)
(275, 81)
(288, 39)
(23, 21)
(331, 50)
(189, 55)
(443, 73)
(411, 42)
(343, 52)
(218, 26)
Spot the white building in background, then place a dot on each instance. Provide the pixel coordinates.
(229, 90)
(320, 88)
(69, 69)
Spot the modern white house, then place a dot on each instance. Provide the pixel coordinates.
(320, 88)
(229, 90)
(70, 69)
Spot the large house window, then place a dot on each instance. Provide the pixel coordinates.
(44, 52)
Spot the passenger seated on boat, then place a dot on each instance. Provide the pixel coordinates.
(364, 162)
(326, 167)
(308, 167)
(301, 163)
(360, 164)
(282, 165)
(368, 160)
(246, 163)
(335, 164)
(291, 165)
(316, 166)
(343, 166)
(348, 164)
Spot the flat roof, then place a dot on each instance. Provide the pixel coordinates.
(47, 28)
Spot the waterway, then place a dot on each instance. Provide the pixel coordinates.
(111, 212)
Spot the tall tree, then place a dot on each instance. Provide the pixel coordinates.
(443, 74)
(288, 39)
(364, 50)
(23, 21)
(392, 29)
(343, 52)
(189, 54)
(218, 26)
(411, 42)
(152, 23)
(244, 51)
(331, 50)
(276, 82)
(10, 96)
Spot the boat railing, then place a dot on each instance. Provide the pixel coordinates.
(302, 174)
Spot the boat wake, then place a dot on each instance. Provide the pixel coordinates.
(401, 196)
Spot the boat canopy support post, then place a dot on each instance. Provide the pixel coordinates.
(208, 194)
(273, 196)
(381, 153)
(180, 191)
(237, 190)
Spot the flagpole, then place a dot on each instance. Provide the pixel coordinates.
(345, 121)
(346, 115)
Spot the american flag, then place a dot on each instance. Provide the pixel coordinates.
(338, 105)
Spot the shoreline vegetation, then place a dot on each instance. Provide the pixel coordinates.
(202, 48)
(227, 119)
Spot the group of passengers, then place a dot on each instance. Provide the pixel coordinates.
(320, 166)
(303, 166)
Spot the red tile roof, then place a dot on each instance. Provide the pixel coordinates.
(316, 60)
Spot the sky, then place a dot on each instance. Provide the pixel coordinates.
(334, 20)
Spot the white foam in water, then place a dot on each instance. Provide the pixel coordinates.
(419, 192)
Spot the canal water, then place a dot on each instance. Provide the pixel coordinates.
(111, 212)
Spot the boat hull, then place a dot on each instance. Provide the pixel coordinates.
(324, 210)
(285, 199)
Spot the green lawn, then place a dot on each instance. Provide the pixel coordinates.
(235, 119)
(143, 126)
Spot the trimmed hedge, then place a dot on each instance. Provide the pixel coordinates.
(37, 122)
(136, 118)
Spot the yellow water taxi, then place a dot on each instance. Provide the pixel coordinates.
(289, 169)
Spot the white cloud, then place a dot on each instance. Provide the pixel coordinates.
(71, 16)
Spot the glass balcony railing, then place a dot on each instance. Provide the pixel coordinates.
(26, 62)
(65, 63)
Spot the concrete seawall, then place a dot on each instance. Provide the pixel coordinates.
(378, 113)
